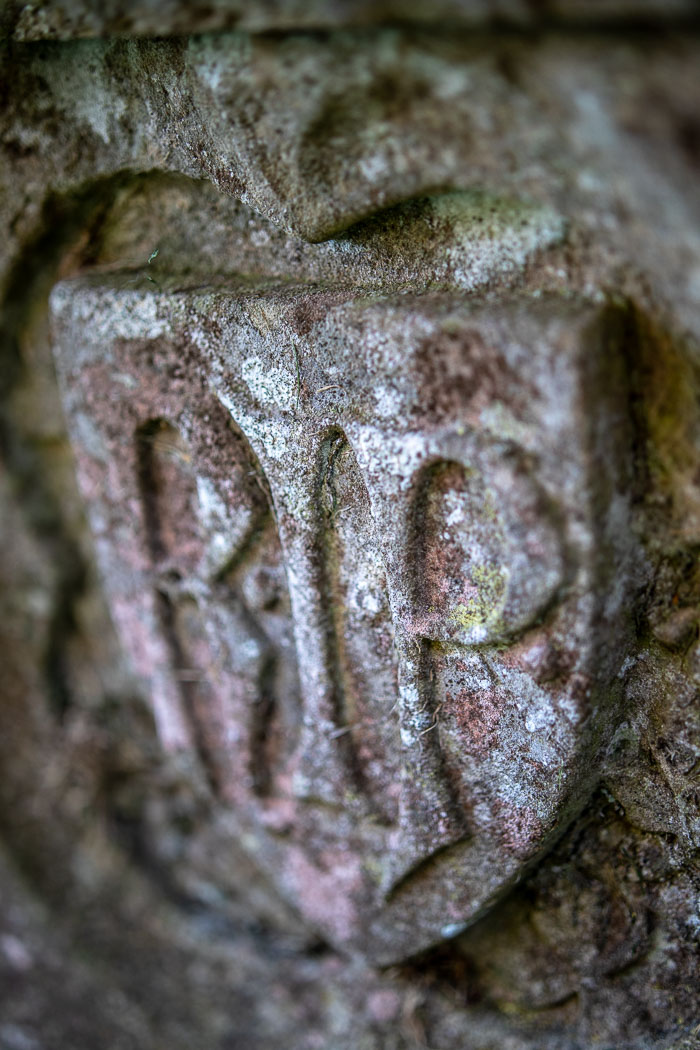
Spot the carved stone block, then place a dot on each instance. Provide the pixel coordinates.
(371, 560)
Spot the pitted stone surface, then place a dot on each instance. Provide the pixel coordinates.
(433, 472)
(489, 372)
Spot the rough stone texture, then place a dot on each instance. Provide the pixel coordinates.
(350, 588)
(68, 19)
(435, 474)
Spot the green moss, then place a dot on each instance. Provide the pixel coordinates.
(489, 509)
(480, 610)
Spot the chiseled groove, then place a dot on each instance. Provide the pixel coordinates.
(265, 708)
(250, 541)
(262, 720)
(150, 489)
(257, 528)
(428, 648)
(335, 656)
(423, 866)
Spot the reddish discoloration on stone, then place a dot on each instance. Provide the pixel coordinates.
(599, 131)
(477, 715)
(350, 603)
(461, 374)
(546, 659)
(517, 828)
(325, 891)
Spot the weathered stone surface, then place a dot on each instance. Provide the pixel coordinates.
(435, 474)
(403, 637)
(382, 118)
(67, 19)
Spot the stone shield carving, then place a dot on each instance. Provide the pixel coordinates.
(370, 560)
